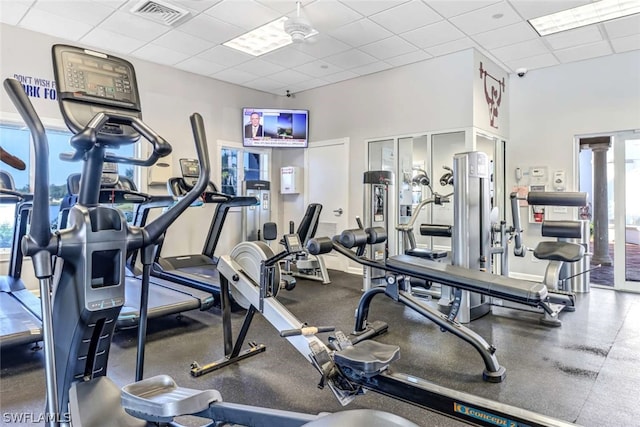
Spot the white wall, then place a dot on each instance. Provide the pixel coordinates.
(548, 107)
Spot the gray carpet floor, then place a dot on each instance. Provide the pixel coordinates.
(587, 371)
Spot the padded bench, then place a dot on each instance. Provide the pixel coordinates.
(529, 293)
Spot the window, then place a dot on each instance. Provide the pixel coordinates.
(238, 165)
(16, 140)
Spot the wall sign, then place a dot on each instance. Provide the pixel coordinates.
(493, 90)
(36, 87)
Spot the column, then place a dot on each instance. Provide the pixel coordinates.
(600, 203)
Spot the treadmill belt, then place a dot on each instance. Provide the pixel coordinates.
(206, 272)
(17, 324)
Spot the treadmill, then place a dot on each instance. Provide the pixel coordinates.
(20, 312)
(198, 271)
(164, 298)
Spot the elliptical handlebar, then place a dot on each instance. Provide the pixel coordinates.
(87, 138)
(157, 227)
(40, 231)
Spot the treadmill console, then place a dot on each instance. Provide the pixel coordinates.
(91, 82)
(292, 243)
(190, 171)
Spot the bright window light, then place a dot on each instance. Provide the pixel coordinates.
(581, 16)
(263, 39)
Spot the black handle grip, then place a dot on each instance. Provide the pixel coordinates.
(40, 230)
(157, 227)
(306, 330)
(11, 160)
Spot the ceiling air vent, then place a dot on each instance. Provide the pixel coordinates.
(159, 11)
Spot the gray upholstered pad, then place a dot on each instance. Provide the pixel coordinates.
(559, 251)
(367, 357)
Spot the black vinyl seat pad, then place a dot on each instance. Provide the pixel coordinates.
(559, 251)
(521, 291)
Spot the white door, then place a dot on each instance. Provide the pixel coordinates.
(326, 177)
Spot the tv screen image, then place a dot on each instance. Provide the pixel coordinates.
(272, 127)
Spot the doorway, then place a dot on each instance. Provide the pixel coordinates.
(610, 172)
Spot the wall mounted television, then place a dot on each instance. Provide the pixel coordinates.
(275, 128)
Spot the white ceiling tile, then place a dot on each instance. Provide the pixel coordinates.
(91, 13)
(529, 9)
(451, 47)
(360, 32)
(374, 67)
(584, 52)
(520, 50)
(434, 34)
(199, 66)
(486, 19)
(11, 12)
(576, 37)
(195, 5)
(235, 76)
(623, 27)
(211, 29)
(321, 45)
(306, 85)
(350, 59)
(327, 15)
(408, 58)
(340, 76)
(159, 54)
(533, 62)
(246, 14)
(264, 84)
(448, 8)
(284, 7)
(290, 77)
(130, 25)
(318, 68)
(44, 22)
(389, 47)
(182, 42)
(625, 44)
(406, 17)
(504, 36)
(370, 7)
(113, 4)
(259, 67)
(288, 57)
(225, 56)
(99, 38)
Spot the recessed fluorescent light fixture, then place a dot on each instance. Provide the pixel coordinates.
(263, 39)
(592, 13)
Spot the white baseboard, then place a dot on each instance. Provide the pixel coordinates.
(354, 270)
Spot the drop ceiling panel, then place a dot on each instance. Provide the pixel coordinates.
(232, 75)
(374, 67)
(159, 54)
(290, 77)
(45, 22)
(319, 68)
(623, 27)
(200, 66)
(448, 8)
(350, 59)
(451, 47)
(210, 29)
(389, 47)
(360, 32)
(11, 12)
(505, 36)
(98, 38)
(370, 7)
(130, 25)
(259, 67)
(486, 19)
(327, 15)
(321, 45)
(340, 76)
(246, 14)
(406, 17)
(91, 13)
(196, 6)
(521, 50)
(288, 57)
(532, 62)
(225, 56)
(583, 52)
(625, 44)
(570, 38)
(182, 42)
(264, 84)
(408, 58)
(434, 34)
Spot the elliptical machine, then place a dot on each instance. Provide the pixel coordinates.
(79, 318)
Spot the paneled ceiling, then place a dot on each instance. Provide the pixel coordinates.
(356, 37)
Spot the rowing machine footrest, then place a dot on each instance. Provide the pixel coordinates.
(367, 358)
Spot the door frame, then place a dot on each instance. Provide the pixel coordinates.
(341, 261)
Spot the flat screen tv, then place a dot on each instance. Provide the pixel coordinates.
(275, 127)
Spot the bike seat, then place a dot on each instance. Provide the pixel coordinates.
(367, 358)
(559, 251)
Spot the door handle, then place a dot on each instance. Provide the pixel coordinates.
(338, 211)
